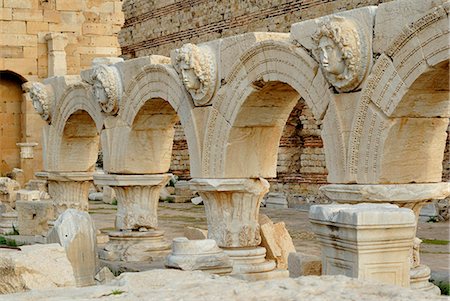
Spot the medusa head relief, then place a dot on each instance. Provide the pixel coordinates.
(107, 88)
(343, 52)
(197, 69)
(41, 96)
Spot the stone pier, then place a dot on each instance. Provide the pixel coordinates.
(232, 210)
(412, 196)
(69, 190)
(137, 237)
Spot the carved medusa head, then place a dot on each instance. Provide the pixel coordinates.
(41, 97)
(198, 72)
(342, 52)
(106, 88)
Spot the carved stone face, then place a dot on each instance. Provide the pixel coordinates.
(100, 93)
(331, 57)
(190, 79)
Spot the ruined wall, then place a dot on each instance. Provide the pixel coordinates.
(90, 28)
(155, 27)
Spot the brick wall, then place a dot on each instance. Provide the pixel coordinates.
(156, 27)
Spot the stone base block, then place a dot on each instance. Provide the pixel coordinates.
(203, 255)
(132, 246)
(300, 264)
(419, 280)
(365, 241)
(33, 216)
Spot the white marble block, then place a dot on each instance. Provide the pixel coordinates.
(370, 242)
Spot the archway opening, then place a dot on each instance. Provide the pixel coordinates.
(255, 134)
(414, 147)
(149, 148)
(11, 116)
(79, 144)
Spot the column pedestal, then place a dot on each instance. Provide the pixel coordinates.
(232, 210)
(137, 237)
(412, 196)
(69, 190)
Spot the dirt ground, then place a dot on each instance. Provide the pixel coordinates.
(174, 217)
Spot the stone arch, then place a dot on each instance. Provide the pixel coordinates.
(266, 70)
(11, 116)
(396, 99)
(73, 140)
(154, 100)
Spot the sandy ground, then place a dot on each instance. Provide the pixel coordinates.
(173, 218)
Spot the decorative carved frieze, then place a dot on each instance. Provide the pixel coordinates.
(198, 71)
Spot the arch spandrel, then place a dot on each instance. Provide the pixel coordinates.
(76, 96)
(149, 79)
(386, 107)
(264, 62)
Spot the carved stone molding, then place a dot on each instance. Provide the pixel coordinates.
(343, 51)
(107, 88)
(198, 71)
(42, 97)
(232, 209)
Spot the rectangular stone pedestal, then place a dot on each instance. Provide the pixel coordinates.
(365, 241)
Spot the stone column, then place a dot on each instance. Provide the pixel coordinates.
(26, 154)
(56, 43)
(232, 210)
(137, 237)
(412, 196)
(69, 190)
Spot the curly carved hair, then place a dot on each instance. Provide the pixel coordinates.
(192, 56)
(106, 77)
(39, 93)
(345, 36)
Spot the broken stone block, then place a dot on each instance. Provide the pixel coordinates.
(27, 195)
(33, 216)
(202, 255)
(182, 192)
(8, 222)
(300, 264)
(277, 241)
(104, 276)
(276, 200)
(195, 233)
(75, 231)
(8, 191)
(108, 195)
(35, 267)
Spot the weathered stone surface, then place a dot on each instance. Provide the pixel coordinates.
(8, 191)
(190, 255)
(276, 200)
(134, 246)
(33, 216)
(27, 195)
(175, 285)
(365, 241)
(195, 233)
(277, 241)
(300, 264)
(75, 231)
(232, 208)
(36, 267)
(104, 276)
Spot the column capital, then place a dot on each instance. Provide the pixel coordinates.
(233, 185)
